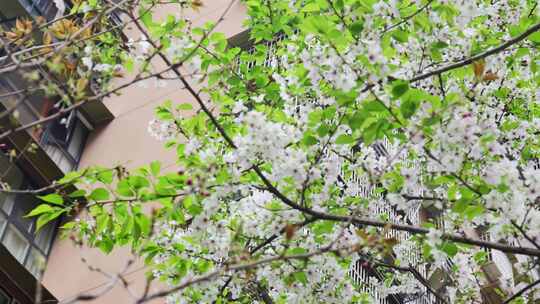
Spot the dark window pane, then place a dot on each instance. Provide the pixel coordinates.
(11, 173)
(16, 243)
(77, 140)
(44, 236)
(6, 201)
(35, 262)
(4, 298)
(24, 203)
(14, 177)
(3, 223)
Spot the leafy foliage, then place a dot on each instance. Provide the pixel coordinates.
(388, 135)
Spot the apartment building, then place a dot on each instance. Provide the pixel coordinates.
(124, 140)
(107, 133)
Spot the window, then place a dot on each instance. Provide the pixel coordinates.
(17, 233)
(20, 237)
(62, 139)
(15, 242)
(45, 8)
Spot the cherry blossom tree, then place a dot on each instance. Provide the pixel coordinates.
(357, 150)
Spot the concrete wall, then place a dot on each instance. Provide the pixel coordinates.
(126, 141)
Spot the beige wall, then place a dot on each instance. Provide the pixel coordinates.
(126, 141)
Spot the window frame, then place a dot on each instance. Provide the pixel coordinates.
(30, 235)
(45, 138)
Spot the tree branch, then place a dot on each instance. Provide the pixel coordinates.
(480, 56)
(522, 291)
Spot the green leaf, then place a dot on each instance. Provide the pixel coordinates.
(99, 194)
(460, 206)
(138, 182)
(164, 113)
(70, 177)
(344, 139)
(400, 88)
(145, 223)
(474, 211)
(43, 208)
(301, 277)
(357, 27)
(184, 106)
(106, 245)
(450, 249)
(311, 7)
(77, 193)
(192, 206)
(323, 130)
(323, 227)
(309, 140)
(106, 176)
(296, 250)
(400, 36)
(408, 107)
(124, 189)
(45, 218)
(155, 167)
(68, 226)
(102, 222)
(374, 131)
(374, 106)
(136, 230)
(146, 18)
(356, 120)
(52, 198)
(534, 37)
(128, 65)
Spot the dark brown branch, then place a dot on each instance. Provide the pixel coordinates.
(417, 275)
(524, 233)
(407, 18)
(480, 56)
(521, 292)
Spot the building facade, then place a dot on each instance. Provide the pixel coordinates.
(125, 140)
(32, 159)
